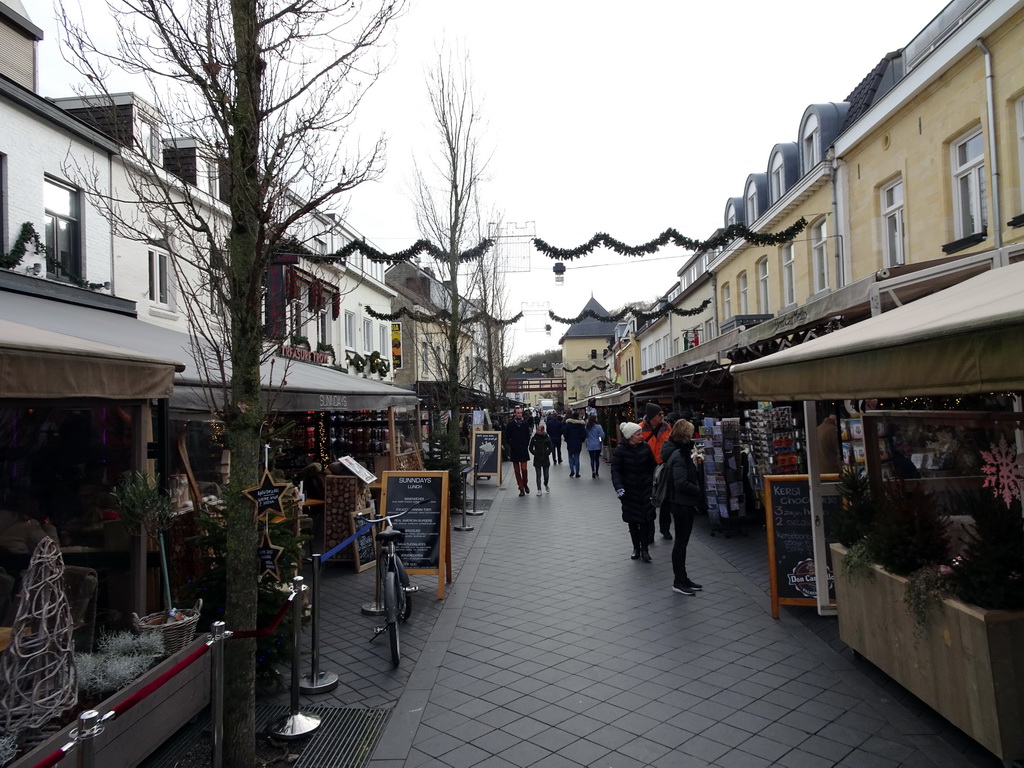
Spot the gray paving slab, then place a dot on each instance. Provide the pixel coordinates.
(553, 647)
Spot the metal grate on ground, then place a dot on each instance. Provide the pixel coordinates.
(345, 739)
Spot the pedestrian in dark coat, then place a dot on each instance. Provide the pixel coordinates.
(684, 498)
(632, 474)
(540, 447)
(517, 435)
(555, 433)
(575, 432)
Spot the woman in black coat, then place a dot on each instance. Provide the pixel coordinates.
(684, 498)
(632, 473)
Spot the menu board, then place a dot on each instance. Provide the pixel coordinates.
(487, 455)
(791, 540)
(364, 553)
(422, 500)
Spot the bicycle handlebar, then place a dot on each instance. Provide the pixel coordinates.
(381, 519)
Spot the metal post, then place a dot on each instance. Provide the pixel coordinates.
(474, 512)
(465, 477)
(89, 727)
(317, 681)
(218, 636)
(295, 724)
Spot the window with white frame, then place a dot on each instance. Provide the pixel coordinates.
(350, 330)
(299, 306)
(665, 345)
(819, 255)
(730, 215)
(726, 301)
(777, 177)
(709, 331)
(763, 303)
(741, 290)
(788, 276)
(892, 223)
(810, 143)
(425, 358)
(323, 327)
(1020, 150)
(159, 276)
(751, 199)
(61, 234)
(382, 338)
(367, 335)
(968, 164)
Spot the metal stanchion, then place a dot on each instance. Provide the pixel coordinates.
(473, 511)
(218, 634)
(317, 681)
(295, 724)
(465, 477)
(89, 727)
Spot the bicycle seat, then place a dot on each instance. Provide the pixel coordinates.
(390, 534)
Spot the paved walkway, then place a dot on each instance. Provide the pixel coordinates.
(553, 648)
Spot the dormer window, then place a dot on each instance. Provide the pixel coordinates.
(777, 177)
(810, 143)
(751, 199)
(730, 215)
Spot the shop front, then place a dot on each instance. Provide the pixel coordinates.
(74, 415)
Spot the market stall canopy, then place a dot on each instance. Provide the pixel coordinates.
(288, 385)
(40, 364)
(967, 338)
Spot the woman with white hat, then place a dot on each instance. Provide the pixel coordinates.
(632, 474)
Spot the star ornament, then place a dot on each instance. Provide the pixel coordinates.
(268, 555)
(267, 495)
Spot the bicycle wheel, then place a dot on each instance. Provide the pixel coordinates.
(403, 578)
(391, 588)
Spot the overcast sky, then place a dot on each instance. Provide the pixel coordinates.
(625, 118)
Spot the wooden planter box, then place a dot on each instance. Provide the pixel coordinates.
(966, 662)
(127, 740)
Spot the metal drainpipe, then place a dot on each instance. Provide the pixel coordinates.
(833, 173)
(991, 112)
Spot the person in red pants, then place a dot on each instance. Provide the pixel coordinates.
(517, 436)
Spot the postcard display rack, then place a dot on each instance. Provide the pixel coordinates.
(775, 441)
(723, 467)
(854, 452)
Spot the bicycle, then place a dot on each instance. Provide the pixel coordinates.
(393, 586)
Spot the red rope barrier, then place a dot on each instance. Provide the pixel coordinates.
(266, 630)
(51, 760)
(151, 686)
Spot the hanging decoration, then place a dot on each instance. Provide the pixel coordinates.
(670, 235)
(639, 314)
(420, 246)
(269, 556)
(442, 315)
(267, 495)
(376, 362)
(18, 250)
(579, 368)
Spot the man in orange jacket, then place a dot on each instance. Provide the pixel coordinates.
(655, 432)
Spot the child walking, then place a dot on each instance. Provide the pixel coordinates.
(540, 447)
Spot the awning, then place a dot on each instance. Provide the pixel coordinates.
(36, 363)
(965, 339)
(289, 385)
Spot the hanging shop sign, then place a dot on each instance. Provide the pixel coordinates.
(396, 346)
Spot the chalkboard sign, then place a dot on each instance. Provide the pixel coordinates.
(487, 455)
(364, 553)
(423, 497)
(791, 539)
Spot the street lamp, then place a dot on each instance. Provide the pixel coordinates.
(559, 270)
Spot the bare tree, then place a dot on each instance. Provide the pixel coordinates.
(447, 208)
(265, 88)
(490, 293)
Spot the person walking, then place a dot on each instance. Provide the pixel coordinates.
(655, 433)
(683, 497)
(554, 426)
(595, 439)
(632, 473)
(517, 435)
(540, 447)
(575, 432)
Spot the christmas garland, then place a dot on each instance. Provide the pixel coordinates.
(587, 368)
(627, 311)
(377, 363)
(27, 235)
(442, 315)
(420, 246)
(670, 235)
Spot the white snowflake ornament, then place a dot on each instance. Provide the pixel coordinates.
(1002, 471)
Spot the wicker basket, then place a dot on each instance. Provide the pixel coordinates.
(176, 634)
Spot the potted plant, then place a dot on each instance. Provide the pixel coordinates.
(144, 506)
(945, 621)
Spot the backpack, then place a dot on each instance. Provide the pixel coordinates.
(659, 486)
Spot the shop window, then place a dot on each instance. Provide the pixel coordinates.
(969, 199)
(892, 224)
(61, 236)
(763, 304)
(819, 255)
(788, 276)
